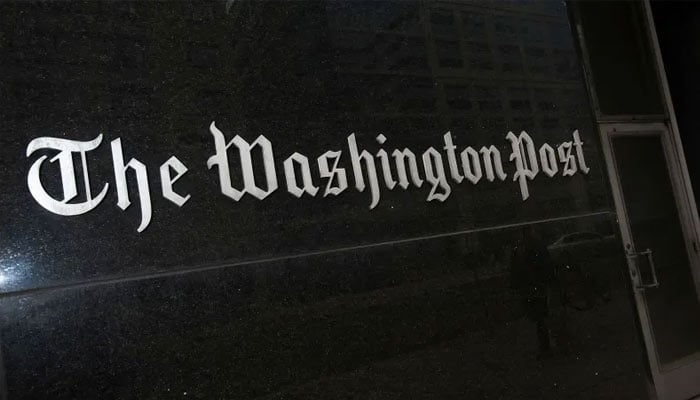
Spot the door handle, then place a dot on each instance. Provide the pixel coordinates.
(640, 285)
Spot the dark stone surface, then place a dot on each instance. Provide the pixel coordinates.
(304, 75)
(312, 297)
(384, 323)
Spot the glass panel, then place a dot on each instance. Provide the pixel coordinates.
(653, 218)
(620, 58)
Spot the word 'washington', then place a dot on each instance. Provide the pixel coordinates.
(369, 171)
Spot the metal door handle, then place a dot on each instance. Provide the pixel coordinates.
(650, 257)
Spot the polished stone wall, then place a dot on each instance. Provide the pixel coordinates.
(481, 295)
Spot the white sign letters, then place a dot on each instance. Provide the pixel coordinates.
(402, 168)
(65, 148)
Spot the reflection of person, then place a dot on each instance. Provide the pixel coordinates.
(532, 276)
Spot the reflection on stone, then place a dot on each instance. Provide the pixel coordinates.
(411, 299)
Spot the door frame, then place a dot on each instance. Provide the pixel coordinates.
(684, 191)
(677, 377)
(675, 160)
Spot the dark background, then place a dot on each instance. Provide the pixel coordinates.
(677, 27)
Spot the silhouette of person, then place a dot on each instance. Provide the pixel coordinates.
(532, 276)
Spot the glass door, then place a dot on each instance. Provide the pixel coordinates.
(660, 239)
